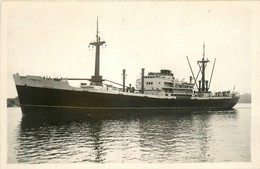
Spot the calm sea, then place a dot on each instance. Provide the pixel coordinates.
(146, 137)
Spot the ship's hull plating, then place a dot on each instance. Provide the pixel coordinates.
(37, 97)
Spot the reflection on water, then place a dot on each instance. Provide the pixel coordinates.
(131, 136)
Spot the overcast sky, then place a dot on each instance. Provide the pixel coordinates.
(51, 39)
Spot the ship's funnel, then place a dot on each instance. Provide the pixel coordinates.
(142, 89)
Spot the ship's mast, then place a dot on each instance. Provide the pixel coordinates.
(203, 62)
(97, 78)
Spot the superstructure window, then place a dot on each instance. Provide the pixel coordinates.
(149, 83)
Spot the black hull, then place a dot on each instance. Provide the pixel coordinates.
(34, 98)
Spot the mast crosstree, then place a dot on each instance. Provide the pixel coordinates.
(203, 84)
(97, 78)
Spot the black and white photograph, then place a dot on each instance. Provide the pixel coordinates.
(113, 84)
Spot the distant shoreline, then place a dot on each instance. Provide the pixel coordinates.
(245, 98)
(13, 102)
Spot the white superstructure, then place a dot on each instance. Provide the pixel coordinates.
(163, 83)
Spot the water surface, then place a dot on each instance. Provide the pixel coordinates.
(138, 136)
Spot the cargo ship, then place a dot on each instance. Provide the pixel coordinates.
(155, 90)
